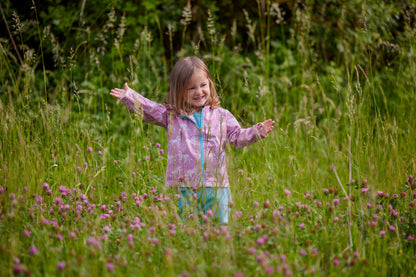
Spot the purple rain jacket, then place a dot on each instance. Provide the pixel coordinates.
(196, 156)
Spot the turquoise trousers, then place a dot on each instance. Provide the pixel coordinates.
(214, 199)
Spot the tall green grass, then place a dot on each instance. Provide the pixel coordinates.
(339, 123)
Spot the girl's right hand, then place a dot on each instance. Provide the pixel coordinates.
(118, 92)
(266, 127)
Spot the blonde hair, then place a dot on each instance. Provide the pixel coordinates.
(180, 75)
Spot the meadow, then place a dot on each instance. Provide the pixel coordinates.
(330, 192)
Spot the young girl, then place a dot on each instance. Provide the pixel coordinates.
(197, 132)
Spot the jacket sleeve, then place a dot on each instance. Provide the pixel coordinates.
(151, 112)
(238, 136)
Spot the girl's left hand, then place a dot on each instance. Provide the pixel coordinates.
(120, 93)
(266, 127)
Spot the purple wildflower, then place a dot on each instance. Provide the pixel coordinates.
(60, 266)
(45, 186)
(27, 233)
(106, 228)
(209, 213)
(33, 250)
(259, 259)
(110, 266)
(261, 241)
(269, 270)
(356, 254)
(17, 269)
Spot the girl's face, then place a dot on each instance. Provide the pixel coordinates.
(198, 90)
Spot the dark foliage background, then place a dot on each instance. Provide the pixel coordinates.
(261, 52)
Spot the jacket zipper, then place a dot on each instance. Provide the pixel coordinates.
(200, 142)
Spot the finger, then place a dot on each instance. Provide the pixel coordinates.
(115, 93)
(126, 87)
(268, 122)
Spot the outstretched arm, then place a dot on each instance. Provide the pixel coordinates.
(151, 112)
(266, 127)
(240, 137)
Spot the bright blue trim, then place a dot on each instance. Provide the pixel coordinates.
(198, 119)
(199, 122)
